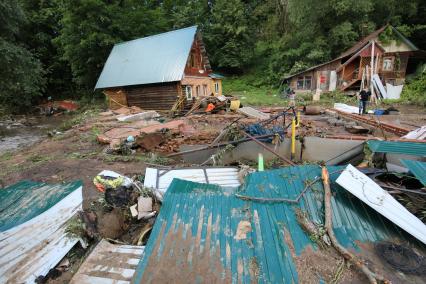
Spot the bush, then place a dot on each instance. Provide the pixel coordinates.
(414, 92)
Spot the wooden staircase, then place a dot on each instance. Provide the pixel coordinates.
(350, 83)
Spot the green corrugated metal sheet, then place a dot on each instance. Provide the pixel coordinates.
(417, 168)
(26, 199)
(394, 147)
(194, 237)
(155, 59)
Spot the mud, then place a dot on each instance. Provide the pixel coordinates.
(111, 225)
(316, 265)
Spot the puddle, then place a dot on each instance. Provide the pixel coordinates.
(24, 131)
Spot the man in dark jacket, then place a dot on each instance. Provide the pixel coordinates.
(364, 97)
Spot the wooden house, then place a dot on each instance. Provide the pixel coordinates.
(392, 55)
(159, 72)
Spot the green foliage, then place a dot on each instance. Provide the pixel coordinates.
(90, 28)
(21, 75)
(415, 91)
(228, 35)
(58, 47)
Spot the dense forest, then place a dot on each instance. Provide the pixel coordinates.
(57, 48)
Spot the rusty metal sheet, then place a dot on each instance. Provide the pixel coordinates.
(109, 263)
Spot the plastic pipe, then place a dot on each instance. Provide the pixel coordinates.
(260, 165)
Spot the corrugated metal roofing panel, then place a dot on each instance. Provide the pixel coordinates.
(206, 234)
(109, 263)
(396, 147)
(417, 168)
(27, 199)
(31, 247)
(380, 200)
(227, 177)
(154, 59)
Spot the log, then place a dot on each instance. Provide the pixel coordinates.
(372, 277)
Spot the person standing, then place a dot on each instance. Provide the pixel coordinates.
(364, 97)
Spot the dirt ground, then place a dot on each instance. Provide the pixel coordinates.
(75, 155)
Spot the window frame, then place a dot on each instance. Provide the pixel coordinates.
(216, 88)
(188, 92)
(305, 80)
(205, 90)
(390, 59)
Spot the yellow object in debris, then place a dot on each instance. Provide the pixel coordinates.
(298, 119)
(293, 138)
(235, 105)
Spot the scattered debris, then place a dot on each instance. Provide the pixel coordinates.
(109, 263)
(33, 228)
(417, 134)
(160, 179)
(380, 200)
(251, 112)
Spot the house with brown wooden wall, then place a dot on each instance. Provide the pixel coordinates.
(392, 51)
(159, 72)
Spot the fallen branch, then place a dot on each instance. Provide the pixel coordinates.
(372, 277)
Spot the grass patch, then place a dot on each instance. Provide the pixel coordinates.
(270, 96)
(82, 156)
(38, 158)
(6, 156)
(250, 94)
(78, 118)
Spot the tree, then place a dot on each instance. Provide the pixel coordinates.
(90, 28)
(21, 78)
(39, 31)
(228, 35)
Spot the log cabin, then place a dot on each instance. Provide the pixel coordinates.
(160, 72)
(394, 53)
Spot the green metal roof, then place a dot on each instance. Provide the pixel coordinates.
(417, 168)
(24, 200)
(155, 59)
(196, 231)
(396, 147)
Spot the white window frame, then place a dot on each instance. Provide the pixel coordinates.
(205, 90)
(198, 90)
(216, 88)
(188, 92)
(388, 63)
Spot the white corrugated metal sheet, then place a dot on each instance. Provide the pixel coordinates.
(161, 179)
(154, 59)
(380, 200)
(33, 248)
(109, 264)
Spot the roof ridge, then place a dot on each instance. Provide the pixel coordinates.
(160, 34)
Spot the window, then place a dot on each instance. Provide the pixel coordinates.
(304, 83)
(300, 83)
(198, 91)
(205, 90)
(188, 92)
(308, 81)
(387, 63)
(216, 88)
(192, 60)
